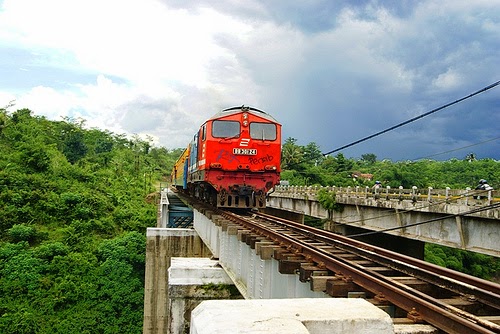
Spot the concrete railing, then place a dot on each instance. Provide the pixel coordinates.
(459, 196)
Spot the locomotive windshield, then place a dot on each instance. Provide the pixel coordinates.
(263, 131)
(226, 129)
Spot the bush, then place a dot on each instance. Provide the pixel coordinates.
(328, 201)
(22, 232)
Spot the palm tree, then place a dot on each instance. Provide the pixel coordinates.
(291, 154)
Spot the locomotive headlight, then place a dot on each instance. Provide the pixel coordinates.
(215, 165)
(245, 123)
(270, 167)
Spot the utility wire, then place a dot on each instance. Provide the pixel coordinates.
(458, 149)
(415, 118)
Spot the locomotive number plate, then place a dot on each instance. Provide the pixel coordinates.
(245, 151)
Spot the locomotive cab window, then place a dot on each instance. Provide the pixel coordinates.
(204, 132)
(226, 129)
(263, 131)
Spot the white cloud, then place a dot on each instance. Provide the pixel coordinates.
(164, 55)
(47, 101)
(105, 104)
(137, 40)
(448, 80)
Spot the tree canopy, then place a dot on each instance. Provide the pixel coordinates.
(305, 165)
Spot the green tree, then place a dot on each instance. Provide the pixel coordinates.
(72, 226)
(291, 154)
(369, 158)
(312, 154)
(74, 147)
(35, 156)
(22, 232)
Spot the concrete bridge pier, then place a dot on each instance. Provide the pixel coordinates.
(161, 245)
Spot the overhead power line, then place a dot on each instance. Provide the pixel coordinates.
(457, 149)
(415, 118)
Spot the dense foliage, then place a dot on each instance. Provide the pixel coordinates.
(72, 225)
(306, 165)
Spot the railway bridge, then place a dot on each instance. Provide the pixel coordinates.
(188, 269)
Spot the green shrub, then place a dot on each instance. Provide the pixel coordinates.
(328, 201)
(22, 232)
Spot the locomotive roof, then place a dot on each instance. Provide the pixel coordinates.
(235, 110)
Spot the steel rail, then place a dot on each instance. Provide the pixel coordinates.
(435, 312)
(484, 291)
(415, 272)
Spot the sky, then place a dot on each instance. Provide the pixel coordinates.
(330, 71)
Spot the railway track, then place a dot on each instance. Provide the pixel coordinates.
(410, 290)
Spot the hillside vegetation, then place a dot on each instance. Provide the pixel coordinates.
(76, 202)
(72, 225)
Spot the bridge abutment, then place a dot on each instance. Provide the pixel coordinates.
(161, 245)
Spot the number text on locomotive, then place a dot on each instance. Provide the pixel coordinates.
(245, 151)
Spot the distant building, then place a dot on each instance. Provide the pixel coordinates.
(359, 175)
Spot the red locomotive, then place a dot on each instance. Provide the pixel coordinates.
(233, 160)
